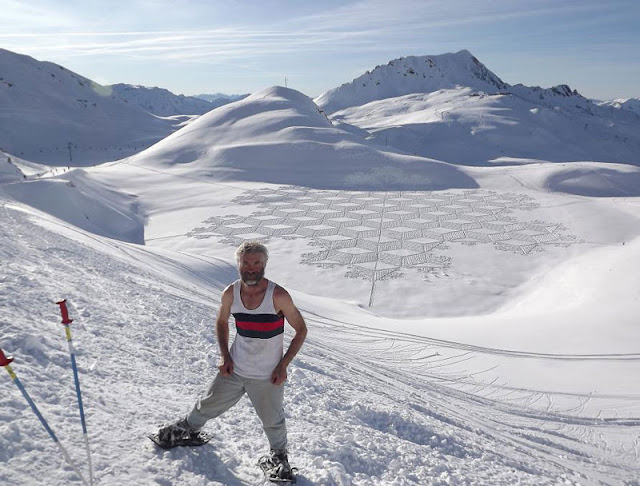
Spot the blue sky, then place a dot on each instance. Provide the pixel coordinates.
(208, 46)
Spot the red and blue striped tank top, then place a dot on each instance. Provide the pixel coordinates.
(258, 346)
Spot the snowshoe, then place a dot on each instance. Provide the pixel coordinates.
(179, 435)
(276, 468)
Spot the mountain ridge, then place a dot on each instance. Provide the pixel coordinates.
(453, 108)
(161, 101)
(51, 114)
(219, 99)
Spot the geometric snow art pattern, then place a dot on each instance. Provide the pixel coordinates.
(377, 234)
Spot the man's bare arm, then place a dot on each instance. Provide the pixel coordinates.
(222, 331)
(284, 303)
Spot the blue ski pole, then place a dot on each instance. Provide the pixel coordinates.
(66, 322)
(5, 363)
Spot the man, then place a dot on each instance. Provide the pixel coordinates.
(255, 364)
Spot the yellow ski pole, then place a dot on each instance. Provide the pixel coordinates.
(66, 322)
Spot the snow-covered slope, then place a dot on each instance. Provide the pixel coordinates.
(466, 127)
(52, 115)
(630, 104)
(451, 107)
(279, 135)
(544, 390)
(84, 203)
(9, 172)
(159, 101)
(17, 169)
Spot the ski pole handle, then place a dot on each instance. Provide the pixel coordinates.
(5, 360)
(65, 313)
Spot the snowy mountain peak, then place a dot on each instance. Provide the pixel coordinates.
(451, 107)
(413, 74)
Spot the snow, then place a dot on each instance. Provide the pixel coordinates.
(413, 74)
(631, 104)
(50, 114)
(219, 99)
(160, 101)
(8, 169)
(279, 136)
(79, 201)
(468, 324)
(451, 107)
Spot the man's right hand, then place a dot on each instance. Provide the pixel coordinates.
(226, 368)
(222, 331)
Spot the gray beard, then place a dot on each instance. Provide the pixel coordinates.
(253, 280)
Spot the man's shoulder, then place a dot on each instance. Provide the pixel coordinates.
(227, 293)
(229, 288)
(280, 294)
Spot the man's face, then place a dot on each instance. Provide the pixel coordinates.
(251, 268)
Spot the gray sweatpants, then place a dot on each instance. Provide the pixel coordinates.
(226, 391)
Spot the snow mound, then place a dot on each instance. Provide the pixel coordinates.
(84, 203)
(580, 284)
(618, 181)
(279, 135)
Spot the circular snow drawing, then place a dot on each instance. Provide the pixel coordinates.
(377, 234)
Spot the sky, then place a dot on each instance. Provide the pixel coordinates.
(240, 46)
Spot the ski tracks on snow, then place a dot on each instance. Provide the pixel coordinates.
(365, 406)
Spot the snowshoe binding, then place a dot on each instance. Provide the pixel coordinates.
(276, 468)
(179, 434)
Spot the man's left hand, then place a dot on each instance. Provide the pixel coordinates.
(279, 375)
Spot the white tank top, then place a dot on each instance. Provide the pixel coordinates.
(258, 346)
